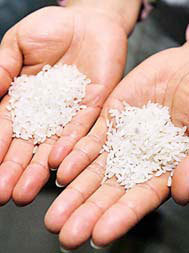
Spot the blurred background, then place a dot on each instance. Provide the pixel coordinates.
(164, 231)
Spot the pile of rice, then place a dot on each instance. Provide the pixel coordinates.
(142, 143)
(41, 105)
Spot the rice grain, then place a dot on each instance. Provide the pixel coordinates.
(142, 143)
(43, 104)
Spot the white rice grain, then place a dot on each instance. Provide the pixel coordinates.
(42, 105)
(143, 143)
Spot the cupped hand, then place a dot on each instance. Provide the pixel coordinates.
(87, 209)
(96, 42)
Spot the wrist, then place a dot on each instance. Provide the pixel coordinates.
(123, 11)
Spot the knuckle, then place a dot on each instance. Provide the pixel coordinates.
(84, 153)
(97, 169)
(75, 189)
(129, 205)
(42, 166)
(150, 189)
(14, 163)
(95, 139)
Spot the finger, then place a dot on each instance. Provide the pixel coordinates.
(84, 152)
(83, 220)
(75, 194)
(35, 176)
(17, 158)
(129, 210)
(10, 60)
(88, 148)
(80, 124)
(180, 183)
(78, 127)
(5, 128)
(33, 69)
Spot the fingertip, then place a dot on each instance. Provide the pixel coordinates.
(5, 195)
(54, 159)
(62, 179)
(81, 223)
(9, 174)
(75, 231)
(51, 223)
(5, 191)
(94, 246)
(180, 201)
(59, 185)
(68, 239)
(116, 226)
(60, 150)
(99, 237)
(61, 209)
(25, 191)
(70, 168)
(56, 156)
(53, 169)
(65, 173)
(180, 183)
(21, 196)
(179, 192)
(63, 250)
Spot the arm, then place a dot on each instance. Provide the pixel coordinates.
(125, 11)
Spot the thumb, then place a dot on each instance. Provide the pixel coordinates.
(10, 60)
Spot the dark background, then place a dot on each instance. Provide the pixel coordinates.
(13, 10)
(164, 231)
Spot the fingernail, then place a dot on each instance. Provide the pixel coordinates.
(94, 246)
(64, 250)
(53, 169)
(59, 185)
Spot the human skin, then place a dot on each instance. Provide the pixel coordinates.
(106, 212)
(93, 37)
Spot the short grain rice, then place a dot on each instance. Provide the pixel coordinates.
(42, 105)
(142, 143)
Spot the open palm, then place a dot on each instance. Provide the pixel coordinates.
(96, 43)
(105, 212)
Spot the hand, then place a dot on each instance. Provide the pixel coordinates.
(92, 39)
(105, 212)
